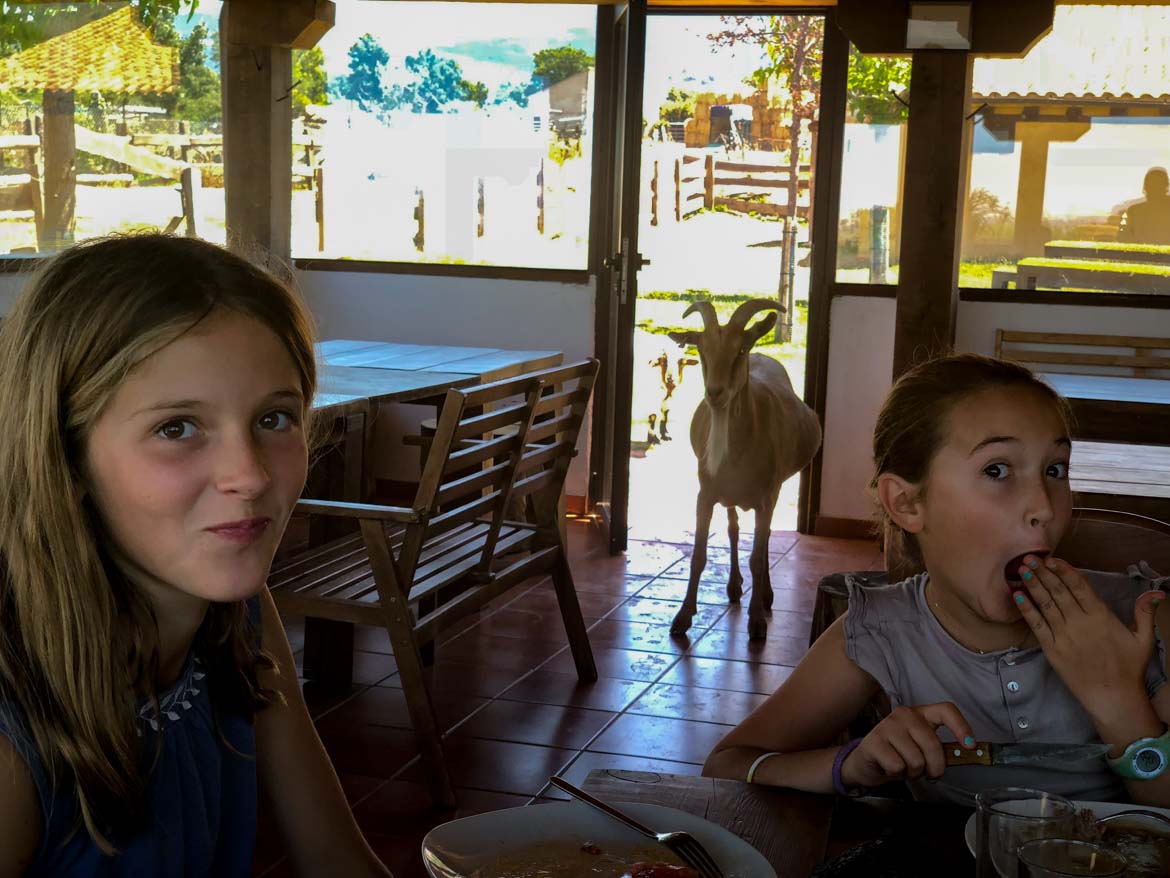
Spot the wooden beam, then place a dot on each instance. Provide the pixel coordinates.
(1007, 28)
(60, 177)
(287, 24)
(1030, 235)
(938, 142)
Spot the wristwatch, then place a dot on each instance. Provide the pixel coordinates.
(1144, 759)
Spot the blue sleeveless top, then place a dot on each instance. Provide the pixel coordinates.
(200, 796)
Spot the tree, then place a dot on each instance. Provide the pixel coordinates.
(199, 93)
(678, 106)
(872, 85)
(476, 92)
(438, 82)
(24, 23)
(309, 82)
(793, 44)
(367, 64)
(559, 63)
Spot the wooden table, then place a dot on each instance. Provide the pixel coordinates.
(797, 831)
(486, 364)
(1117, 408)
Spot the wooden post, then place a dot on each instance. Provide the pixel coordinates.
(709, 182)
(783, 331)
(60, 178)
(936, 156)
(677, 191)
(420, 217)
(879, 248)
(31, 167)
(813, 128)
(654, 196)
(319, 186)
(190, 185)
(479, 207)
(540, 199)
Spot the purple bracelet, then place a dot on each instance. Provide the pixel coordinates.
(838, 784)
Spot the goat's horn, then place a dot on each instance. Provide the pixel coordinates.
(748, 309)
(706, 309)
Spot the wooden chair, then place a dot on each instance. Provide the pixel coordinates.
(417, 570)
(1073, 352)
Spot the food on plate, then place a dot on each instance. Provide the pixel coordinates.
(1144, 843)
(589, 860)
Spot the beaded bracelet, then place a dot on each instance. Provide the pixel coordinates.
(838, 761)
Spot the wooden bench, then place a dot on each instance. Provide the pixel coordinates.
(1136, 354)
(22, 192)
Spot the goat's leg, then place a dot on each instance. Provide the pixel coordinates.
(735, 580)
(690, 605)
(761, 602)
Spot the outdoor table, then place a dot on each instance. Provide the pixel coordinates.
(798, 831)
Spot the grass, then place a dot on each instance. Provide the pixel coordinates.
(1099, 265)
(1118, 246)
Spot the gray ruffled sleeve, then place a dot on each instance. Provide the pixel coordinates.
(866, 640)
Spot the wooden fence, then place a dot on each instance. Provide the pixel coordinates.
(709, 185)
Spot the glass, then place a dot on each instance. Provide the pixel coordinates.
(1007, 817)
(872, 164)
(1062, 858)
(1070, 193)
(454, 133)
(145, 148)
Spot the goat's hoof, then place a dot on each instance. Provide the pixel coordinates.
(757, 628)
(681, 624)
(768, 601)
(735, 589)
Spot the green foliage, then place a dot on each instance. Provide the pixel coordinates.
(561, 149)
(872, 83)
(24, 23)
(793, 44)
(559, 63)
(986, 215)
(199, 93)
(367, 64)
(310, 86)
(678, 106)
(438, 82)
(476, 92)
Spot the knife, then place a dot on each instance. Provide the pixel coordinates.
(1057, 757)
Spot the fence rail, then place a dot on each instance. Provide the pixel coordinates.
(692, 185)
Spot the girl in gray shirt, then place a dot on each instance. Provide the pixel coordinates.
(990, 638)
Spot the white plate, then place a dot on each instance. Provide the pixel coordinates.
(455, 849)
(1101, 809)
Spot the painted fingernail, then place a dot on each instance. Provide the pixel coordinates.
(1034, 563)
(1019, 598)
(1027, 574)
(969, 741)
(1050, 563)
(1156, 601)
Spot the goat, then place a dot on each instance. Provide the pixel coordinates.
(750, 432)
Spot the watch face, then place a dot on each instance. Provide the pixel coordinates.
(1149, 762)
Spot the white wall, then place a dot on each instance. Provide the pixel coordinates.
(530, 315)
(10, 285)
(861, 354)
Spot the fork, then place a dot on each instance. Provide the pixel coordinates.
(685, 845)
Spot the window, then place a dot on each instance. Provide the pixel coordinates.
(451, 133)
(107, 125)
(872, 162)
(1068, 183)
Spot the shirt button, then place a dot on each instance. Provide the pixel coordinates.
(1013, 686)
(1009, 661)
(1022, 722)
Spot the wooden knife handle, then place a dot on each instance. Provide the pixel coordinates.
(956, 754)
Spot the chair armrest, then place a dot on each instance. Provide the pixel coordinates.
(358, 510)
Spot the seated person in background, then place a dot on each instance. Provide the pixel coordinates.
(996, 640)
(1148, 221)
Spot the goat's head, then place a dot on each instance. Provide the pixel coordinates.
(723, 350)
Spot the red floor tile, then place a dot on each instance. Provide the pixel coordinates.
(386, 706)
(625, 664)
(550, 687)
(692, 702)
(589, 761)
(775, 649)
(620, 634)
(657, 737)
(740, 676)
(710, 591)
(498, 766)
(658, 612)
(548, 724)
(464, 678)
(403, 808)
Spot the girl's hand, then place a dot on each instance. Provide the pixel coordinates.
(1102, 662)
(904, 746)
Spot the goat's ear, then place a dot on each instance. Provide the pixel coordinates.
(902, 501)
(756, 331)
(685, 337)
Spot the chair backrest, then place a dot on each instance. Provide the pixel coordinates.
(1106, 539)
(1081, 353)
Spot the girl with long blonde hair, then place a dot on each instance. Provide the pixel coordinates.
(155, 395)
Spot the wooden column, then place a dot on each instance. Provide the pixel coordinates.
(1029, 235)
(256, 42)
(938, 146)
(60, 177)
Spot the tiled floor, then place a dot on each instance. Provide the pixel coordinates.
(506, 690)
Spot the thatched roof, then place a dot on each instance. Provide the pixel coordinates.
(113, 53)
(1093, 52)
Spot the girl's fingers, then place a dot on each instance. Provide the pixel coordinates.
(887, 758)
(911, 752)
(947, 715)
(1041, 585)
(929, 745)
(1075, 584)
(1035, 619)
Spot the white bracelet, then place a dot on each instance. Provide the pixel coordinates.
(752, 771)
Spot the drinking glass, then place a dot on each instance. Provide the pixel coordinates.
(1063, 858)
(1007, 817)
